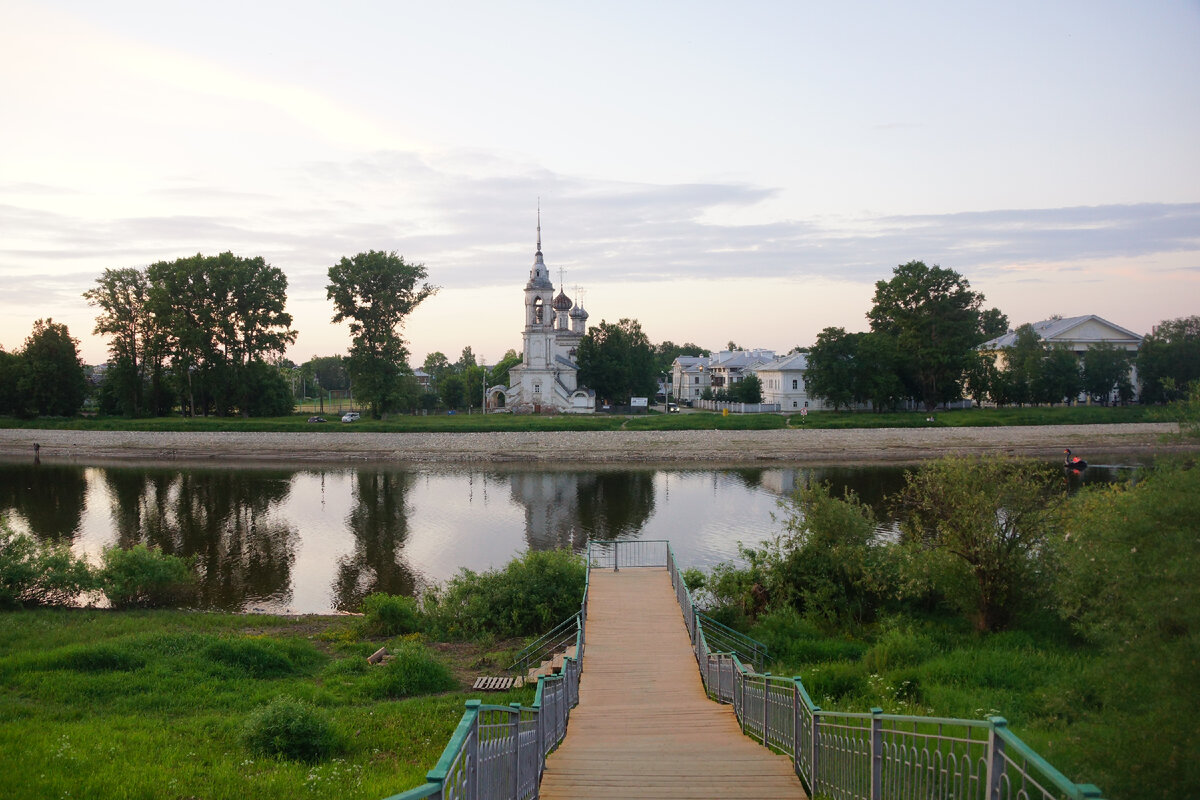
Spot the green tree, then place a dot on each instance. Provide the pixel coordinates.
(985, 523)
(465, 361)
(218, 315)
(935, 319)
(375, 291)
(1169, 359)
(1023, 366)
(436, 365)
(1060, 381)
(981, 378)
(831, 367)
(51, 381)
(992, 323)
(452, 390)
(666, 352)
(330, 372)
(135, 344)
(11, 369)
(617, 361)
(748, 390)
(877, 371)
(1105, 367)
(500, 372)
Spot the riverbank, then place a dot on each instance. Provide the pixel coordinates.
(895, 445)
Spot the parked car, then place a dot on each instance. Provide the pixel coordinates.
(672, 408)
(316, 419)
(350, 416)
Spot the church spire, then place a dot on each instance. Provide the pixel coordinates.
(539, 246)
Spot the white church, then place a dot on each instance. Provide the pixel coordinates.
(546, 380)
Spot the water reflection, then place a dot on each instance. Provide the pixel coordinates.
(50, 498)
(379, 525)
(305, 540)
(565, 509)
(229, 521)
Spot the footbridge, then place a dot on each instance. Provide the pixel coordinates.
(655, 700)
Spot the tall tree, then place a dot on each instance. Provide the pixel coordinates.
(1169, 359)
(52, 381)
(666, 352)
(499, 373)
(465, 361)
(1023, 366)
(935, 318)
(747, 390)
(1060, 381)
(375, 291)
(1105, 366)
(436, 365)
(617, 361)
(219, 314)
(831, 367)
(123, 297)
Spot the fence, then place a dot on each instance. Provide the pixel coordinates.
(848, 756)
(499, 752)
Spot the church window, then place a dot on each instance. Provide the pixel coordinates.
(795, 384)
(537, 388)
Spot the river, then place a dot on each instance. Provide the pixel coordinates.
(316, 540)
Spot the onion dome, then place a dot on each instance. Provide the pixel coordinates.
(562, 302)
(578, 313)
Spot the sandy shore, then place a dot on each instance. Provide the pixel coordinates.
(595, 447)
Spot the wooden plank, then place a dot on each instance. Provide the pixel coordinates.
(644, 727)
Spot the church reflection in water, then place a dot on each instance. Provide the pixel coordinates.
(565, 509)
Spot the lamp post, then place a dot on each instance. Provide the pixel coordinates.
(483, 389)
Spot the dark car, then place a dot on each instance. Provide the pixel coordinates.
(316, 419)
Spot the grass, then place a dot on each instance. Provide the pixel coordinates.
(698, 420)
(939, 667)
(155, 704)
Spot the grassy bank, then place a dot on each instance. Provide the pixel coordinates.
(654, 421)
(156, 704)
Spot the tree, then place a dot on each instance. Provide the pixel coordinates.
(846, 368)
(617, 361)
(1105, 366)
(936, 321)
(465, 361)
(1169, 359)
(52, 381)
(747, 390)
(992, 323)
(1023, 365)
(376, 291)
(453, 391)
(1060, 380)
(986, 520)
(436, 365)
(666, 352)
(499, 374)
(123, 297)
(831, 368)
(218, 315)
(11, 369)
(329, 372)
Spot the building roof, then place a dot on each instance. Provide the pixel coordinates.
(791, 362)
(1059, 330)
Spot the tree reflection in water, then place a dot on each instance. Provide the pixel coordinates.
(49, 498)
(226, 520)
(379, 524)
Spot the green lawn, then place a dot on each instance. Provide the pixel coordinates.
(102, 704)
(693, 420)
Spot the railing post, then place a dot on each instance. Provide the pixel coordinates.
(876, 754)
(766, 705)
(995, 762)
(796, 732)
(814, 752)
(473, 753)
(516, 734)
(616, 556)
(741, 691)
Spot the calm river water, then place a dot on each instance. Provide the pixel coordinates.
(312, 540)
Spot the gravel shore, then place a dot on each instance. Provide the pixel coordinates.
(594, 447)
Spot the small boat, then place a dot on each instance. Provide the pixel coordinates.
(1074, 463)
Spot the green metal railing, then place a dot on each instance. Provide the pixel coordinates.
(850, 756)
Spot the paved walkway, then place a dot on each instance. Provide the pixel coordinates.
(644, 727)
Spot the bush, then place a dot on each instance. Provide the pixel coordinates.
(898, 648)
(103, 657)
(413, 671)
(529, 596)
(289, 728)
(390, 615)
(143, 577)
(38, 573)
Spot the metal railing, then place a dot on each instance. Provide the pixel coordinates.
(499, 752)
(848, 756)
(557, 640)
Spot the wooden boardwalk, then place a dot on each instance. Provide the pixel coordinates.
(644, 727)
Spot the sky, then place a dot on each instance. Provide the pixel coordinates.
(741, 171)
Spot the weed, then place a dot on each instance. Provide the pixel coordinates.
(289, 728)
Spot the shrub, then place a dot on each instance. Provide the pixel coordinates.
(39, 573)
(413, 671)
(390, 615)
(529, 596)
(837, 682)
(897, 648)
(257, 658)
(103, 657)
(289, 728)
(143, 577)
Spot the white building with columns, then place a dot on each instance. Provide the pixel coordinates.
(546, 380)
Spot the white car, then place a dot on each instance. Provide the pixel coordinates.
(350, 416)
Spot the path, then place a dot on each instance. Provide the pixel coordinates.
(644, 727)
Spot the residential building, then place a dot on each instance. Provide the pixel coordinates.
(783, 383)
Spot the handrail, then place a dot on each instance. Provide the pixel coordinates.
(867, 756)
(556, 639)
(727, 639)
